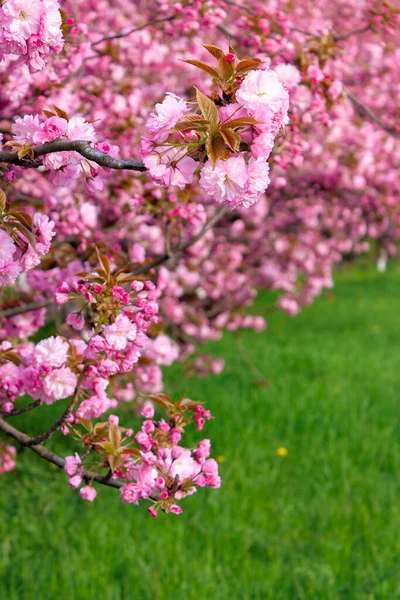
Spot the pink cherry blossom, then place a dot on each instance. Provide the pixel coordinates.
(88, 493)
(59, 384)
(166, 116)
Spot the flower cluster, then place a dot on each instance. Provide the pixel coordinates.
(23, 242)
(7, 458)
(30, 30)
(228, 145)
(29, 131)
(160, 470)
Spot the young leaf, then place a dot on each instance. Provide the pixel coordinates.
(216, 148)
(204, 67)
(231, 139)
(239, 122)
(61, 113)
(208, 108)
(48, 113)
(226, 67)
(215, 51)
(247, 64)
(105, 263)
(3, 200)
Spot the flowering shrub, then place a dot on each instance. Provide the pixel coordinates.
(154, 173)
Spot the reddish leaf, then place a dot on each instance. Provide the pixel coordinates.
(215, 51)
(61, 113)
(208, 108)
(204, 67)
(216, 148)
(247, 64)
(239, 122)
(231, 139)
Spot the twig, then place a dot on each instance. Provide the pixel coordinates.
(82, 147)
(367, 112)
(48, 455)
(20, 310)
(219, 213)
(23, 409)
(118, 36)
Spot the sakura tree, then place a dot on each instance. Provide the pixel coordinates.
(155, 172)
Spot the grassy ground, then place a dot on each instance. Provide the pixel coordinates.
(321, 523)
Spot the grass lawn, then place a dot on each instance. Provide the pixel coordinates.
(321, 523)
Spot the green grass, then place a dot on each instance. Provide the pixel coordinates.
(321, 523)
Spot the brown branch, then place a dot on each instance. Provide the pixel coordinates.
(367, 112)
(23, 409)
(82, 147)
(123, 35)
(219, 213)
(48, 455)
(47, 434)
(25, 308)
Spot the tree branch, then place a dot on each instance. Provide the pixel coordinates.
(82, 147)
(19, 411)
(48, 455)
(367, 112)
(25, 308)
(219, 213)
(123, 35)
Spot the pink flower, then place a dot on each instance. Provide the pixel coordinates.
(79, 129)
(27, 130)
(76, 321)
(51, 129)
(152, 511)
(120, 332)
(21, 17)
(262, 145)
(288, 75)
(88, 493)
(9, 268)
(258, 180)
(7, 459)
(148, 411)
(72, 465)
(226, 181)
(59, 384)
(52, 352)
(175, 509)
(169, 166)
(130, 494)
(166, 116)
(184, 466)
(75, 481)
(263, 95)
(44, 231)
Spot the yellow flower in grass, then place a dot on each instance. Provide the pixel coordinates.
(281, 451)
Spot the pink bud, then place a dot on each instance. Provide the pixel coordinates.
(152, 512)
(88, 493)
(75, 481)
(175, 436)
(175, 509)
(160, 483)
(230, 58)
